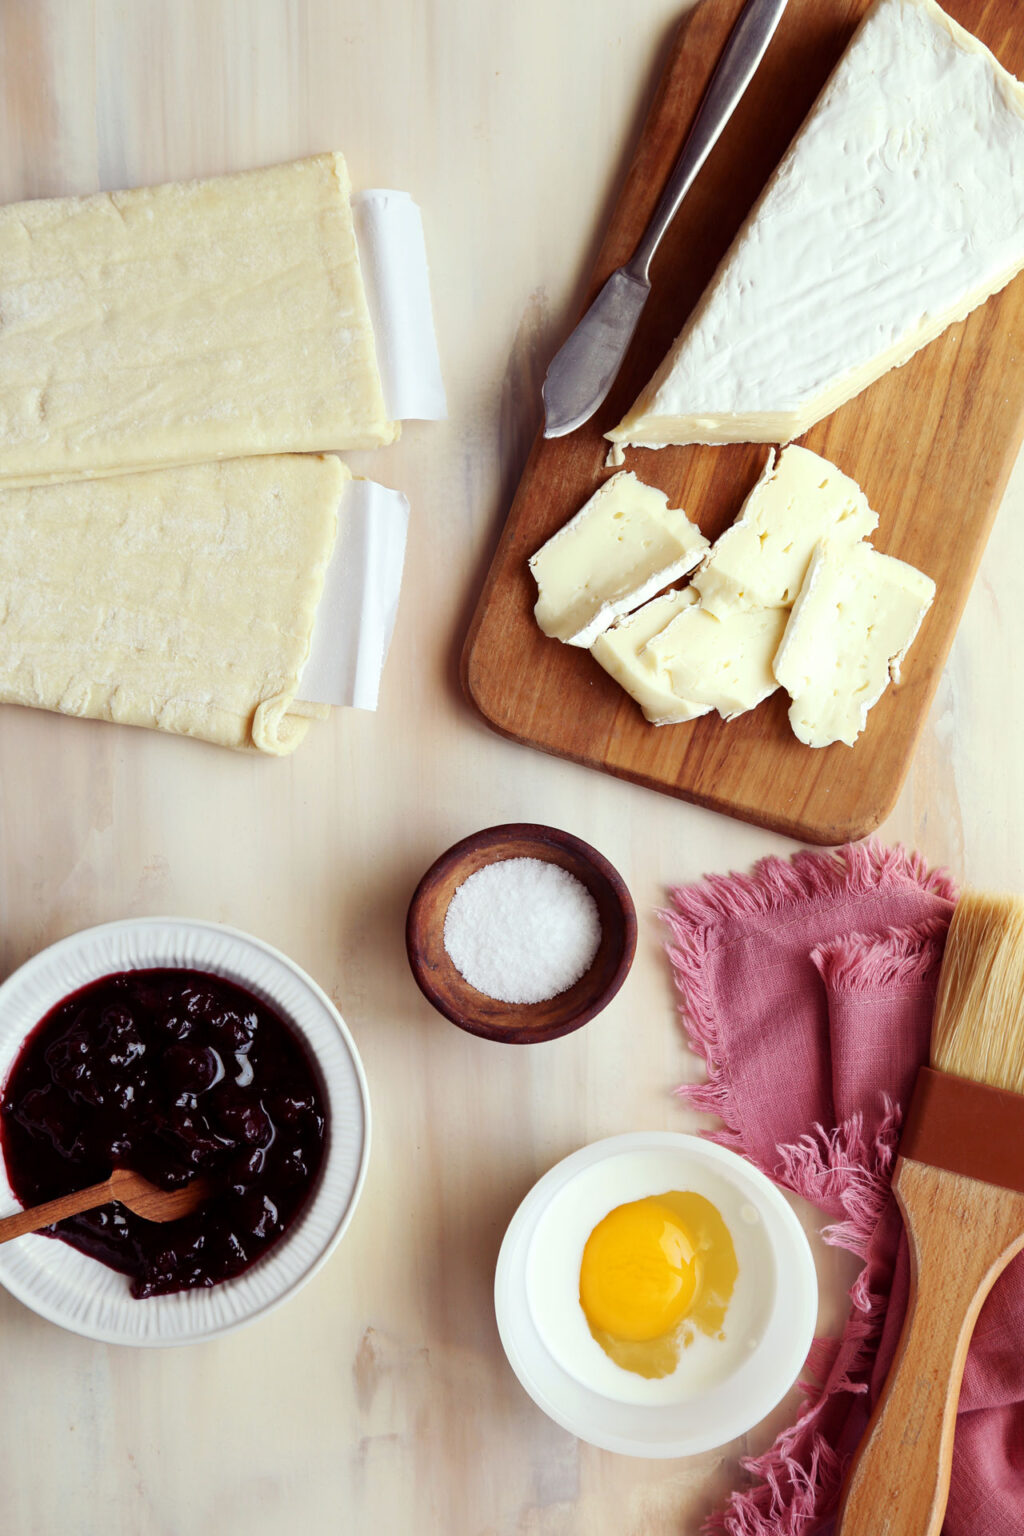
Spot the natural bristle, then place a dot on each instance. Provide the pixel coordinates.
(979, 1013)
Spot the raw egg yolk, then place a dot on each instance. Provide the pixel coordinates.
(654, 1274)
(639, 1272)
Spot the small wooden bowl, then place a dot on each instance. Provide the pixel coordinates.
(519, 1023)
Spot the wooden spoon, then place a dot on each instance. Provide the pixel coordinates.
(131, 1189)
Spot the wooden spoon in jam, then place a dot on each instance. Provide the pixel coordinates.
(131, 1189)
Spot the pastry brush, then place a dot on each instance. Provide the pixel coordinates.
(959, 1182)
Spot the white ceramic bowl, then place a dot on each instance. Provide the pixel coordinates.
(79, 1293)
(536, 1294)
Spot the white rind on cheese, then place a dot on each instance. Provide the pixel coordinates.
(762, 559)
(621, 548)
(898, 208)
(855, 619)
(619, 652)
(723, 663)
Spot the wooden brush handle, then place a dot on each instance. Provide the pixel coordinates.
(962, 1234)
(55, 1210)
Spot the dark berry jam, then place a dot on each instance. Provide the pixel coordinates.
(173, 1073)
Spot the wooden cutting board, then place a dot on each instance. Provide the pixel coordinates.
(932, 445)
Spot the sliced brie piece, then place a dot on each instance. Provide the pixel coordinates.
(619, 652)
(853, 622)
(897, 209)
(621, 548)
(761, 561)
(724, 663)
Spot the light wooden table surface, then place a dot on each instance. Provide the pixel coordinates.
(379, 1401)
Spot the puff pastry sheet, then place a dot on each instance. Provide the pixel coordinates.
(181, 599)
(187, 322)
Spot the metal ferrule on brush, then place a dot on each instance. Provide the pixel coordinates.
(967, 1128)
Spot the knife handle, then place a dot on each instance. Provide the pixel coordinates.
(740, 57)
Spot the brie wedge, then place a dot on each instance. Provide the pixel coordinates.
(762, 559)
(855, 619)
(898, 208)
(619, 651)
(621, 548)
(723, 663)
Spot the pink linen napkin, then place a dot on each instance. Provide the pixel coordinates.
(808, 987)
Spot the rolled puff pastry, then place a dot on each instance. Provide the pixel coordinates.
(181, 599)
(180, 323)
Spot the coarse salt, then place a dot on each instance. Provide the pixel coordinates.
(522, 930)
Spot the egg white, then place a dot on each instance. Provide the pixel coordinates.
(556, 1252)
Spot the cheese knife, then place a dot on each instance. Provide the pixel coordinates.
(584, 369)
